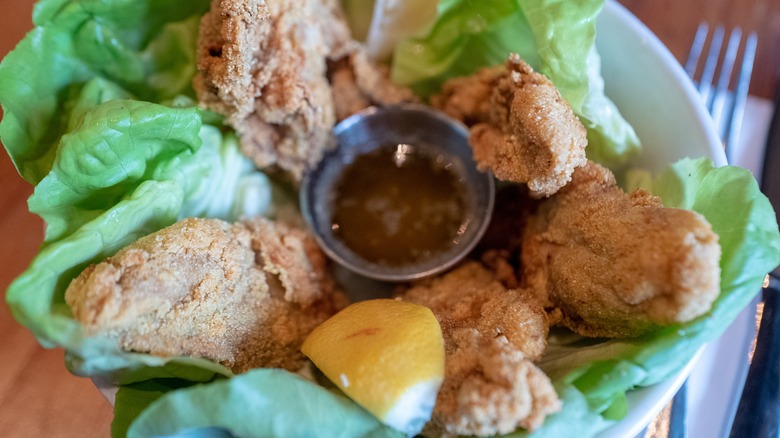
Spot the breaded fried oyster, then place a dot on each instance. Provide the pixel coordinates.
(357, 83)
(467, 98)
(523, 131)
(618, 264)
(265, 66)
(245, 295)
(491, 338)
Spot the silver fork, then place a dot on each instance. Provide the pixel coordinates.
(726, 105)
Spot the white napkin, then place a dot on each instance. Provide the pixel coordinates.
(749, 152)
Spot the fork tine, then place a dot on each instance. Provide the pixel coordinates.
(741, 94)
(696, 50)
(721, 92)
(705, 85)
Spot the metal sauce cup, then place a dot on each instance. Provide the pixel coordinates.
(373, 128)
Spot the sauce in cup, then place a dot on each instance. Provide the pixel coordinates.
(399, 204)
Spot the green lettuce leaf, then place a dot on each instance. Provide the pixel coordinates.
(106, 156)
(466, 36)
(97, 115)
(182, 183)
(146, 47)
(220, 182)
(133, 398)
(555, 37)
(564, 34)
(36, 297)
(745, 222)
(259, 403)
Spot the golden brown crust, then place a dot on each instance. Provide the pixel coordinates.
(523, 131)
(467, 98)
(358, 83)
(617, 264)
(244, 295)
(229, 37)
(491, 335)
(490, 389)
(264, 67)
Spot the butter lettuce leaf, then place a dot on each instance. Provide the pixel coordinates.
(108, 155)
(744, 220)
(134, 44)
(134, 398)
(555, 37)
(98, 215)
(466, 35)
(259, 403)
(99, 116)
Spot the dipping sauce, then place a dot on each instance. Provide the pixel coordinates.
(399, 204)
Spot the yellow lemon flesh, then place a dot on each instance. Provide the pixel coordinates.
(387, 355)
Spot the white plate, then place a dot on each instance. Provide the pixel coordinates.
(653, 92)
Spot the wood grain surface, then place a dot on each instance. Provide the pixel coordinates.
(39, 398)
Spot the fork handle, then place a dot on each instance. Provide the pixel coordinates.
(759, 405)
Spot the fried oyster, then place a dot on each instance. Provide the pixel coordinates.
(523, 130)
(492, 336)
(618, 264)
(268, 67)
(263, 65)
(245, 295)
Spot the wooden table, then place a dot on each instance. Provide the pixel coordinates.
(39, 398)
(675, 23)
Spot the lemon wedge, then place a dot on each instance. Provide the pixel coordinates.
(387, 355)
